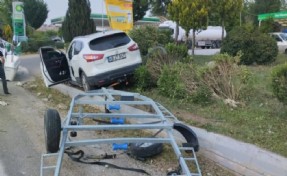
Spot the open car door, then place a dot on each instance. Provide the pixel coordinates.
(54, 66)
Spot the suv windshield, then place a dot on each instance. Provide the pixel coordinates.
(109, 42)
(283, 36)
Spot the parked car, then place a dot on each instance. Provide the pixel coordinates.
(281, 39)
(92, 61)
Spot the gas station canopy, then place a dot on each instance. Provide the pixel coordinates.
(280, 17)
(98, 18)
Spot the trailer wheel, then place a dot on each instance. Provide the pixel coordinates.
(145, 150)
(52, 130)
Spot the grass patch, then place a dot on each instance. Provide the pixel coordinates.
(261, 120)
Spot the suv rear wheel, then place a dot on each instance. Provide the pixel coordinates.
(85, 84)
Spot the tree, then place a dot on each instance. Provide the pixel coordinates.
(139, 9)
(226, 10)
(283, 5)
(189, 15)
(159, 7)
(264, 6)
(174, 11)
(77, 21)
(7, 33)
(6, 11)
(36, 12)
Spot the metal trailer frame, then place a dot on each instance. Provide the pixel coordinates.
(164, 122)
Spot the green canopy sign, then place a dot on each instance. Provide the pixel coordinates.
(278, 15)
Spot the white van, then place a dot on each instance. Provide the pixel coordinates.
(281, 39)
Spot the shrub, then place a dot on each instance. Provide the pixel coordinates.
(142, 78)
(202, 95)
(148, 36)
(179, 51)
(182, 81)
(279, 82)
(225, 78)
(194, 86)
(33, 45)
(170, 84)
(156, 59)
(59, 45)
(256, 47)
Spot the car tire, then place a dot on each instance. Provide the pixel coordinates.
(86, 86)
(52, 130)
(145, 150)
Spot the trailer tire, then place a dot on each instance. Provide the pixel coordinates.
(145, 150)
(173, 173)
(188, 134)
(52, 130)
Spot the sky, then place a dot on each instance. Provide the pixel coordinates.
(58, 8)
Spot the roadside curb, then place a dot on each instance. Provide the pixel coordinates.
(239, 157)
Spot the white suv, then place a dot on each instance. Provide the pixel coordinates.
(91, 61)
(281, 39)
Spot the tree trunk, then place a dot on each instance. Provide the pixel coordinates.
(193, 41)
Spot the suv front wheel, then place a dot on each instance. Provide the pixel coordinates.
(85, 84)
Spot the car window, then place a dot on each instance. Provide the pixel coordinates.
(109, 42)
(283, 36)
(70, 51)
(78, 46)
(277, 38)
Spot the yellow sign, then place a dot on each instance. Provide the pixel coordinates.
(120, 14)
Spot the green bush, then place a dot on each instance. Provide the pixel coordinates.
(279, 82)
(33, 45)
(60, 45)
(256, 47)
(224, 77)
(202, 95)
(156, 59)
(142, 78)
(170, 84)
(197, 91)
(148, 36)
(179, 51)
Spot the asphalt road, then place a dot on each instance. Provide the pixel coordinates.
(19, 152)
(29, 67)
(206, 52)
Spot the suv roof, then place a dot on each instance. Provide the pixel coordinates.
(97, 35)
